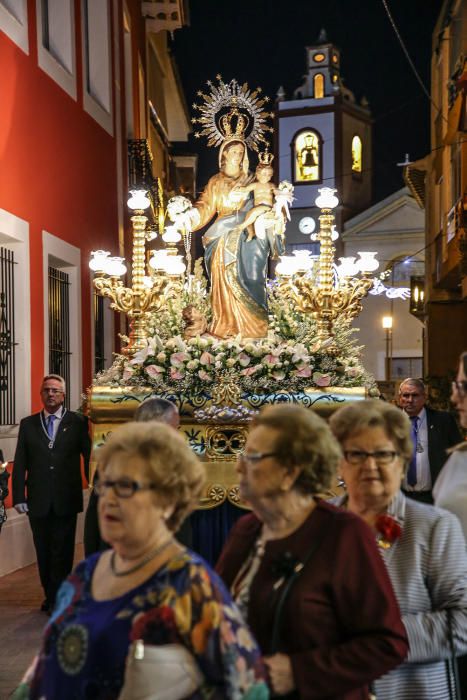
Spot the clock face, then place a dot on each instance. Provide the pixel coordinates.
(306, 225)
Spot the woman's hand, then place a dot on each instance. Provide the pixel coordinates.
(280, 673)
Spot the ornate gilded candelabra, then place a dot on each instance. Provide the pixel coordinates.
(147, 293)
(328, 298)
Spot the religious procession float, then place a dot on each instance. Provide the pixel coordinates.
(221, 336)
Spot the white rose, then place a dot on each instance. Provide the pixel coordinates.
(161, 357)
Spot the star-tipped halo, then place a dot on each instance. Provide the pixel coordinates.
(232, 111)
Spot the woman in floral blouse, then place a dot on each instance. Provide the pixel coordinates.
(146, 587)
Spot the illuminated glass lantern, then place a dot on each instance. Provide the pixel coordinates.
(357, 154)
(307, 156)
(417, 296)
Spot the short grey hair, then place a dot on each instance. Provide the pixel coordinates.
(156, 408)
(57, 378)
(419, 383)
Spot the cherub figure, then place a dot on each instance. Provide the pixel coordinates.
(195, 322)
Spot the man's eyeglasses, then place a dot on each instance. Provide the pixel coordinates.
(408, 396)
(380, 456)
(460, 386)
(255, 457)
(46, 390)
(123, 488)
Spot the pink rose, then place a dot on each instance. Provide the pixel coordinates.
(248, 371)
(270, 360)
(352, 372)
(154, 370)
(321, 379)
(244, 359)
(278, 374)
(178, 358)
(176, 373)
(205, 376)
(206, 358)
(127, 373)
(303, 371)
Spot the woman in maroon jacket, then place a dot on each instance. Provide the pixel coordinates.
(308, 576)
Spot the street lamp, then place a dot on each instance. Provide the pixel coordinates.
(147, 293)
(387, 326)
(325, 298)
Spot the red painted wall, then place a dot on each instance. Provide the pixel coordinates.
(58, 172)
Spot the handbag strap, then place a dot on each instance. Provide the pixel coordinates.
(297, 570)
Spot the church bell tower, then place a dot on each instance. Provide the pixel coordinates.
(323, 139)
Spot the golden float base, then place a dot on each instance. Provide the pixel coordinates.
(217, 439)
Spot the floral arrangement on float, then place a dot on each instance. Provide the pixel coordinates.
(181, 357)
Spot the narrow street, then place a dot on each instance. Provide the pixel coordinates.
(21, 624)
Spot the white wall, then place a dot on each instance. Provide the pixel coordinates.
(16, 545)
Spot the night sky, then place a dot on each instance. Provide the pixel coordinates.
(259, 42)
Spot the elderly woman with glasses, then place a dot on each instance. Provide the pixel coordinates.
(146, 587)
(307, 576)
(422, 547)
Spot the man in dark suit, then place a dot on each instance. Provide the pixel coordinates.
(433, 432)
(47, 482)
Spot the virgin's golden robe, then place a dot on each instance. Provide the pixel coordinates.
(237, 268)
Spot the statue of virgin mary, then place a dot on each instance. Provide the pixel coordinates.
(237, 267)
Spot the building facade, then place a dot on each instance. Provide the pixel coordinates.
(91, 107)
(81, 81)
(439, 183)
(394, 227)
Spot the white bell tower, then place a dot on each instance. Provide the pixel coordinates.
(323, 138)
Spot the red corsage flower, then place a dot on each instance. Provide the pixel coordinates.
(156, 626)
(388, 529)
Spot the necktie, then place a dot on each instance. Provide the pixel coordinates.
(50, 426)
(412, 472)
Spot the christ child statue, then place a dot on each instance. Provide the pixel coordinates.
(263, 196)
